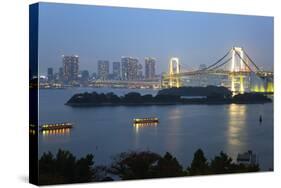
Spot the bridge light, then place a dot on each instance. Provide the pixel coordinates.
(174, 64)
(262, 89)
(270, 87)
(256, 88)
(241, 84)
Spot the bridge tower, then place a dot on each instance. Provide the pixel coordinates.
(238, 66)
(174, 69)
(237, 62)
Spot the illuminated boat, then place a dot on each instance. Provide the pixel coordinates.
(55, 126)
(152, 120)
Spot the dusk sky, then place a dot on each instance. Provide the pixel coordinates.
(107, 33)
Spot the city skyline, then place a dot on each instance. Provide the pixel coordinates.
(195, 38)
(106, 70)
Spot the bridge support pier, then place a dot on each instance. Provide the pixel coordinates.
(237, 83)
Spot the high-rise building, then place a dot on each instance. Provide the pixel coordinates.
(140, 73)
(116, 70)
(103, 69)
(50, 74)
(129, 68)
(61, 74)
(149, 68)
(85, 76)
(70, 68)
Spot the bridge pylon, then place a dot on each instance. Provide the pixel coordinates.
(239, 66)
(174, 69)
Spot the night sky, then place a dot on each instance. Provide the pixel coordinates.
(107, 33)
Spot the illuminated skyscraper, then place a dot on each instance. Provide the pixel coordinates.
(103, 69)
(149, 68)
(129, 68)
(70, 68)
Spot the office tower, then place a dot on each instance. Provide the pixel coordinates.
(140, 73)
(116, 70)
(85, 76)
(50, 74)
(61, 74)
(129, 68)
(70, 68)
(103, 69)
(149, 68)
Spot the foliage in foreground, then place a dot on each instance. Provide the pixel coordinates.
(65, 168)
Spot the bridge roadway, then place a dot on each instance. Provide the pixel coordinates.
(262, 74)
(137, 83)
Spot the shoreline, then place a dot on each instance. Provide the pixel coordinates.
(159, 104)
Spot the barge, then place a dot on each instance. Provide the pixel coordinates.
(55, 126)
(152, 120)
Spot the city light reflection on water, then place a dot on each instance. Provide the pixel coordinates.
(65, 131)
(138, 126)
(236, 133)
(58, 135)
(143, 128)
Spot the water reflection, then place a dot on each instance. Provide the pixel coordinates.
(65, 131)
(138, 126)
(237, 132)
(174, 129)
(58, 135)
(149, 127)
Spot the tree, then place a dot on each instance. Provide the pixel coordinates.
(64, 168)
(101, 173)
(84, 171)
(133, 97)
(47, 163)
(168, 166)
(222, 164)
(199, 165)
(65, 165)
(133, 165)
(112, 98)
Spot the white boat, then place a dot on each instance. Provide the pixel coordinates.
(247, 158)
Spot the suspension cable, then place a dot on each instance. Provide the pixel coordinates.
(221, 64)
(214, 64)
(243, 60)
(252, 61)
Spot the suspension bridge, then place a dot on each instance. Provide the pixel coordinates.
(235, 70)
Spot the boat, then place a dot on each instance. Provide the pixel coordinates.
(151, 120)
(247, 158)
(56, 126)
